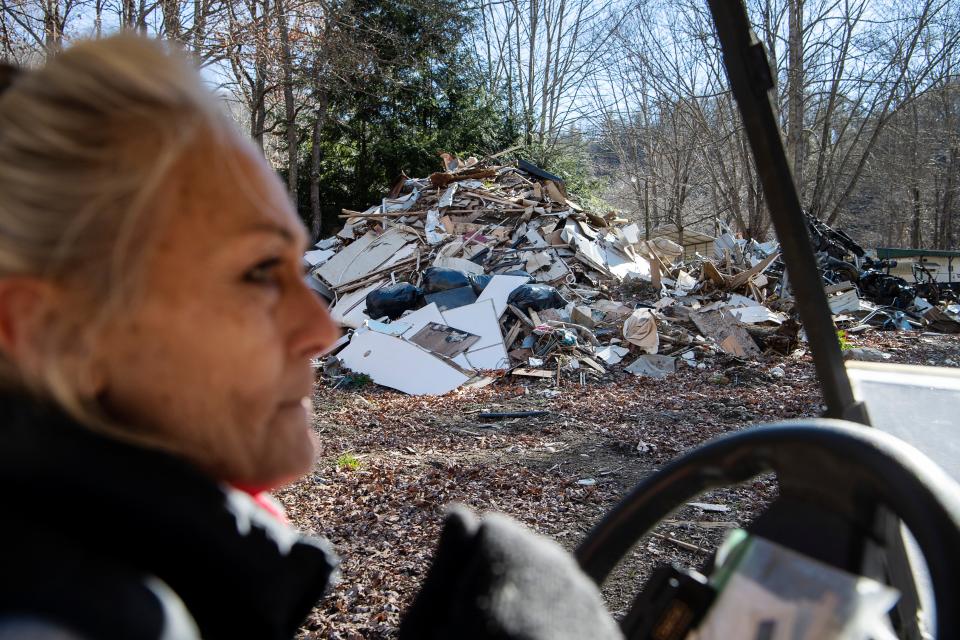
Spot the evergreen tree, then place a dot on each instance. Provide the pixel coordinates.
(412, 95)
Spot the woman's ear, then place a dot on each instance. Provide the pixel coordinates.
(27, 306)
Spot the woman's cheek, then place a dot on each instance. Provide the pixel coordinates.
(253, 356)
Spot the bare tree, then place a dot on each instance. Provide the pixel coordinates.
(36, 25)
(289, 104)
(849, 71)
(543, 54)
(247, 38)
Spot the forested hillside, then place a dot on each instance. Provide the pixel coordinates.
(626, 99)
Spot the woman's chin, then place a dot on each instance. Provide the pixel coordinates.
(288, 454)
(294, 449)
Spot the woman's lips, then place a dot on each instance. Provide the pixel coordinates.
(300, 403)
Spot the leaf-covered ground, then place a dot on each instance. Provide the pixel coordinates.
(557, 473)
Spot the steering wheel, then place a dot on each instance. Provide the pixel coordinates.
(843, 488)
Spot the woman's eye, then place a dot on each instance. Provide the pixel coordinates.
(263, 272)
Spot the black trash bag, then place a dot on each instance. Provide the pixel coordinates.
(479, 282)
(537, 297)
(393, 300)
(437, 279)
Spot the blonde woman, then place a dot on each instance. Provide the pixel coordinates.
(155, 345)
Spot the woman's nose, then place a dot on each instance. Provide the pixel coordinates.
(314, 330)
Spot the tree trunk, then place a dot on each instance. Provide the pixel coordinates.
(316, 158)
(916, 240)
(545, 89)
(531, 81)
(947, 239)
(795, 80)
(171, 19)
(646, 209)
(289, 107)
(130, 13)
(200, 8)
(52, 27)
(98, 19)
(258, 90)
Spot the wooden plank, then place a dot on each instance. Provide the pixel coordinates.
(680, 543)
(488, 210)
(347, 214)
(532, 373)
(755, 292)
(512, 335)
(592, 364)
(840, 286)
(657, 267)
(375, 275)
(741, 278)
(553, 191)
(442, 178)
(710, 271)
(472, 214)
(520, 314)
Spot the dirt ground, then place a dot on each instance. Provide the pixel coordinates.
(389, 463)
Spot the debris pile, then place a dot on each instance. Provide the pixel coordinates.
(484, 269)
(863, 293)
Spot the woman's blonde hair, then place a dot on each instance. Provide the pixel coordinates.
(85, 143)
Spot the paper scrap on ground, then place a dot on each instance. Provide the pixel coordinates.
(709, 506)
(653, 366)
(612, 354)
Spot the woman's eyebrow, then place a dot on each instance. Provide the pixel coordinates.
(290, 236)
(267, 227)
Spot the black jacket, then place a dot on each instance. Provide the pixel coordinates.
(108, 540)
(101, 539)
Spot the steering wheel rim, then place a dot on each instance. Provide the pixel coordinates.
(890, 472)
